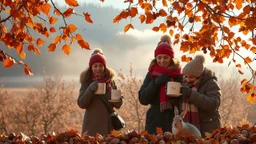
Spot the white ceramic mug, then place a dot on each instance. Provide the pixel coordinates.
(115, 94)
(101, 89)
(173, 89)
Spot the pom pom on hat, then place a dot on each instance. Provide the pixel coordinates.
(97, 57)
(195, 67)
(164, 46)
(166, 38)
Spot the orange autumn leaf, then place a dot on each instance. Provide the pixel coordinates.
(163, 27)
(253, 49)
(72, 40)
(197, 18)
(52, 29)
(66, 49)
(143, 133)
(133, 12)
(19, 48)
(52, 20)
(239, 4)
(243, 80)
(115, 133)
(23, 55)
(72, 3)
(57, 12)
(238, 65)
(36, 51)
(79, 37)
(162, 13)
(159, 131)
(51, 47)
(127, 27)
(72, 28)
(8, 62)
(102, 0)
(117, 19)
(28, 71)
(39, 42)
(65, 37)
(57, 39)
(30, 47)
(155, 28)
(142, 18)
(171, 32)
(87, 17)
(84, 44)
(164, 2)
(226, 29)
(68, 12)
(240, 72)
(46, 8)
(247, 60)
(250, 99)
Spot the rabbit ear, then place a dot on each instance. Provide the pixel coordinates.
(176, 111)
(183, 113)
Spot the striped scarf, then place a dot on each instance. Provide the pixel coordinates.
(192, 115)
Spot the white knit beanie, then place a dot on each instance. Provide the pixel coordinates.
(195, 67)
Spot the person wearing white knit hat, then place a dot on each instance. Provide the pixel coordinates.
(200, 96)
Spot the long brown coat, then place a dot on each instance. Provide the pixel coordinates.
(207, 99)
(96, 118)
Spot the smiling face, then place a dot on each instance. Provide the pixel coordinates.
(98, 68)
(190, 79)
(163, 60)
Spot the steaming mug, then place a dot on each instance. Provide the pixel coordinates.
(101, 89)
(173, 89)
(115, 94)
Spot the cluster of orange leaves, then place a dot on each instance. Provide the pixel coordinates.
(26, 16)
(216, 21)
(233, 135)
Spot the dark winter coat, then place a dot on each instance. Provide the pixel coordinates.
(97, 119)
(149, 95)
(207, 99)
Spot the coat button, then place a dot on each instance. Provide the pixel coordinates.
(210, 119)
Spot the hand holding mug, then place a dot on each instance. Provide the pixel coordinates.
(93, 86)
(164, 78)
(186, 91)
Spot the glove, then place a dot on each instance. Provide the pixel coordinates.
(164, 78)
(93, 86)
(186, 91)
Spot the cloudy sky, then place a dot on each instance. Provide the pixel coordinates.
(121, 49)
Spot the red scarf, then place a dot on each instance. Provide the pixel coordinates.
(102, 78)
(192, 115)
(155, 71)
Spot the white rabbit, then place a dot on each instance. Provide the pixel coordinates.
(179, 126)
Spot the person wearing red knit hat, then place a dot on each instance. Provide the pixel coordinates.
(162, 69)
(97, 118)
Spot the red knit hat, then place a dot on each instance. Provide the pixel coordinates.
(97, 57)
(164, 46)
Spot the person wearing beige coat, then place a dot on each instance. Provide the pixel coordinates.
(97, 119)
